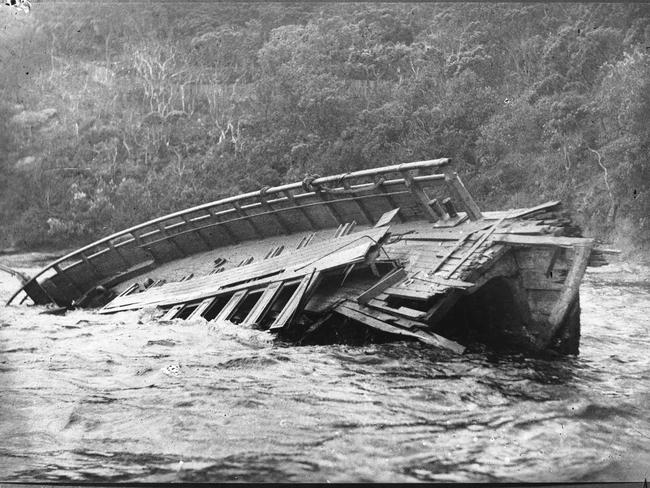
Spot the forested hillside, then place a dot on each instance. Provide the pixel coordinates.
(114, 113)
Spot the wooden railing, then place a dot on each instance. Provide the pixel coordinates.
(175, 224)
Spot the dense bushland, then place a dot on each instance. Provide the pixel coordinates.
(156, 107)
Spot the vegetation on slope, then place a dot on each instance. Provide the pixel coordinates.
(113, 113)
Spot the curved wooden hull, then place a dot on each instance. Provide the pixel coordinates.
(412, 255)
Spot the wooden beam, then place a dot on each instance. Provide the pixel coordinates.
(301, 209)
(389, 199)
(476, 245)
(422, 198)
(293, 305)
(232, 305)
(189, 224)
(351, 310)
(172, 312)
(233, 238)
(457, 188)
(72, 282)
(362, 208)
(390, 279)
(533, 241)
(330, 207)
(202, 308)
(170, 238)
(131, 289)
(240, 211)
(286, 228)
(387, 217)
(91, 265)
(263, 303)
(569, 292)
(118, 252)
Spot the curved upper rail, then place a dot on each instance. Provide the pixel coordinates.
(132, 231)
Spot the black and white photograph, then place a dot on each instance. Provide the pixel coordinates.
(324, 242)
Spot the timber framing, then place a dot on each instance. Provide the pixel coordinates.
(399, 251)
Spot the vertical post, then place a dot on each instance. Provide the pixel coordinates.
(460, 192)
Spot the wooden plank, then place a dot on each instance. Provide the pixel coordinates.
(131, 289)
(230, 307)
(292, 306)
(349, 228)
(526, 240)
(67, 277)
(192, 227)
(390, 279)
(570, 290)
(301, 209)
(226, 230)
(118, 252)
(167, 238)
(201, 309)
(476, 245)
(172, 312)
(532, 210)
(275, 215)
(426, 337)
(330, 207)
(90, 265)
(410, 293)
(457, 188)
(391, 201)
(322, 255)
(387, 217)
(247, 218)
(422, 198)
(360, 205)
(459, 244)
(263, 303)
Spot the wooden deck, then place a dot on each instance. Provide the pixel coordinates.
(389, 249)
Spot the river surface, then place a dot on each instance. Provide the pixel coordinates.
(125, 397)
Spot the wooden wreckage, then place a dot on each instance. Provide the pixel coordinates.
(401, 251)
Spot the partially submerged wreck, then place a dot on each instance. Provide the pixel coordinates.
(401, 250)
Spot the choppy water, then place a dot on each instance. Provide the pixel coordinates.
(128, 398)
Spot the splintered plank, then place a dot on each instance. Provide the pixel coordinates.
(292, 306)
(386, 218)
(526, 240)
(203, 306)
(232, 304)
(263, 303)
(348, 309)
(390, 279)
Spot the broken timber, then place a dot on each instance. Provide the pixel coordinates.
(393, 249)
